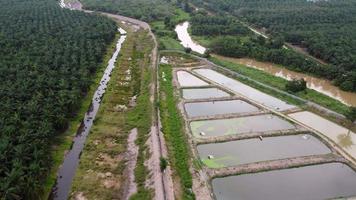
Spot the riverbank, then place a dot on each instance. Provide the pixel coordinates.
(126, 106)
(63, 142)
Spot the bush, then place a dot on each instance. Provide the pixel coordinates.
(163, 163)
(351, 114)
(188, 50)
(296, 85)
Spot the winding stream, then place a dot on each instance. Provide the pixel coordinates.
(186, 40)
(68, 168)
(321, 85)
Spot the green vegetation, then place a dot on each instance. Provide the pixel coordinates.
(146, 10)
(49, 57)
(280, 83)
(172, 123)
(163, 163)
(325, 28)
(296, 85)
(164, 30)
(107, 143)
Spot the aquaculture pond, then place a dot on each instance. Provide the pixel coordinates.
(239, 152)
(203, 93)
(186, 79)
(244, 90)
(218, 107)
(317, 182)
(340, 135)
(248, 124)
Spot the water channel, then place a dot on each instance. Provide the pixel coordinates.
(68, 168)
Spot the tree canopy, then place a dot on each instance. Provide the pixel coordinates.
(47, 57)
(326, 29)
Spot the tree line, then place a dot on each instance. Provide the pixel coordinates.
(326, 29)
(48, 56)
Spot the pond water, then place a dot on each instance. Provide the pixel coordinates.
(345, 138)
(318, 182)
(321, 85)
(255, 150)
(204, 93)
(187, 79)
(218, 107)
(257, 123)
(186, 40)
(245, 90)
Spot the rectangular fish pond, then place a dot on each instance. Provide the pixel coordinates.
(203, 93)
(218, 107)
(187, 79)
(257, 123)
(317, 182)
(245, 90)
(216, 155)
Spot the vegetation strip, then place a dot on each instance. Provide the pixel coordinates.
(125, 106)
(172, 124)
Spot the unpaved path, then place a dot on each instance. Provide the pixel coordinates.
(161, 181)
(130, 186)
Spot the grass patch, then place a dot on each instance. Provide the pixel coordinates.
(280, 83)
(107, 142)
(62, 142)
(172, 124)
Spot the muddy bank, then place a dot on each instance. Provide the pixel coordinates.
(71, 161)
(318, 84)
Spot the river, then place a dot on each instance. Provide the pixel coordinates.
(318, 84)
(186, 40)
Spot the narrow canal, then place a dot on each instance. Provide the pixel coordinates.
(68, 168)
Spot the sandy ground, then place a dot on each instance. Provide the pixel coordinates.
(131, 154)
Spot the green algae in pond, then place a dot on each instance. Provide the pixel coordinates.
(255, 150)
(257, 123)
(216, 162)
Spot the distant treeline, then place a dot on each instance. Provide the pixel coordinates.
(146, 10)
(326, 28)
(47, 58)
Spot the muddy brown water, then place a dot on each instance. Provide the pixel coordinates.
(218, 107)
(203, 93)
(321, 85)
(68, 168)
(187, 79)
(186, 41)
(245, 90)
(317, 182)
(255, 150)
(257, 123)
